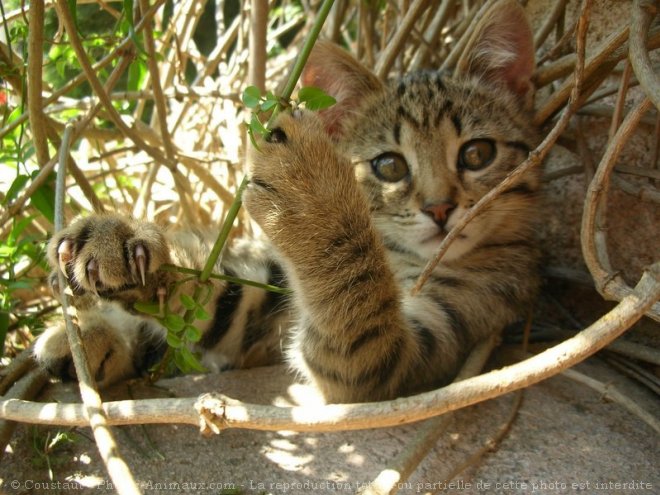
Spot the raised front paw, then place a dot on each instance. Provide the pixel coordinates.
(299, 181)
(109, 255)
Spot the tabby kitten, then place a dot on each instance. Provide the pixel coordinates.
(353, 202)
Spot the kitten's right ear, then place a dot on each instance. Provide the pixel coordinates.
(336, 72)
(501, 49)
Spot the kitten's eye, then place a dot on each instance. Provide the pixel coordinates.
(390, 167)
(476, 154)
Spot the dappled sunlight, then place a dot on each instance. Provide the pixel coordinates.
(88, 481)
(284, 444)
(286, 460)
(305, 395)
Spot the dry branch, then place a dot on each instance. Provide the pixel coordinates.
(394, 47)
(611, 393)
(35, 82)
(594, 247)
(258, 43)
(93, 406)
(219, 412)
(644, 11)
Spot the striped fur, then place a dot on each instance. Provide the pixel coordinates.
(350, 249)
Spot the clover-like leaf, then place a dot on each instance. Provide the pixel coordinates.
(149, 308)
(174, 322)
(201, 314)
(315, 98)
(251, 97)
(173, 340)
(192, 333)
(187, 301)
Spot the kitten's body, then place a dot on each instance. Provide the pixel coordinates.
(424, 150)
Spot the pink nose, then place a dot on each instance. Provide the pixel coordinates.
(439, 212)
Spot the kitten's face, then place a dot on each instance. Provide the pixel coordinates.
(427, 148)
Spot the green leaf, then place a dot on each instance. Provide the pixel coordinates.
(18, 284)
(191, 360)
(270, 102)
(251, 97)
(187, 301)
(7, 251)
(15, 188)
(43, 198)
(137, 73)
(17, 229)
(149, 308)
(257, 127)
(193, 334)
(174, 322)
(4, 327)
(174, 341)
(315, 98)
(201, 314)
(252, 138)
(268, 105)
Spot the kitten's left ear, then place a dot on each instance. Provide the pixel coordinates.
(501, 49)
(332, 69)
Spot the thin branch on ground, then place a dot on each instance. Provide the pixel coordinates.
(215, 412)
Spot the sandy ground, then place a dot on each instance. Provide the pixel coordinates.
(566, 438)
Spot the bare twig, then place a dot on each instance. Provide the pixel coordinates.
(258, 28)
(394, 46)
(219, 412)
(550, 22)
(635, 372)
(35, 82)
(594, 63)
(454, 57)
(608, 282)
(611, 393)
(159, 99)
(18, 367)
(643, 13)
(620, 100)
(93, 406)
(489, 445)
(431, 35)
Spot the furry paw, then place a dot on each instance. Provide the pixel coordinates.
(298, 179)
(109, 256)
(107, 349)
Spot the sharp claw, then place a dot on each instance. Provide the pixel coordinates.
(93, 274)
(55, 284)
(162, 292)
(141, 262)
(64, 255)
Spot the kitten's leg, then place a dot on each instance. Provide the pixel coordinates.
(109, 262)
(117, 345)
(352, 340)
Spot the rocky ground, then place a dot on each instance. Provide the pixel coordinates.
(566, 438)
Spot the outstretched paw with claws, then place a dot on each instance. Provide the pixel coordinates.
(111, 257)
